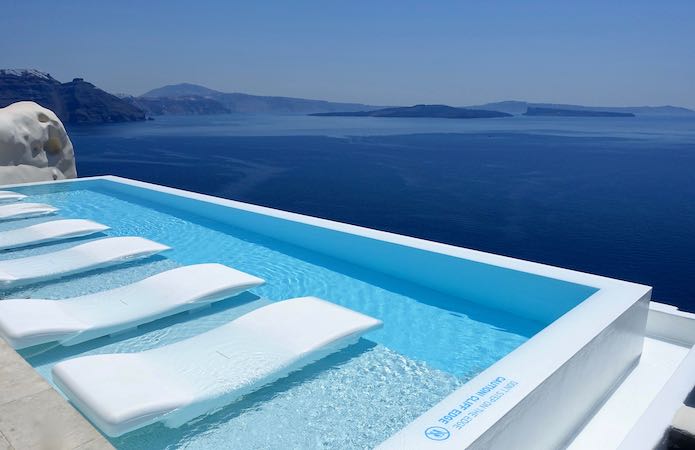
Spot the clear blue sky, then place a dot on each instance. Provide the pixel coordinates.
(380, 52)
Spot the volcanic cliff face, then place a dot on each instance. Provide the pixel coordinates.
(74, 102)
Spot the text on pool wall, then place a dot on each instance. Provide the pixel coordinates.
(478, 403)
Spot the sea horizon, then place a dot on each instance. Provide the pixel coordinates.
(591, 194)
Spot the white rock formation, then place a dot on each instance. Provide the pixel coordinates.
(34, 145)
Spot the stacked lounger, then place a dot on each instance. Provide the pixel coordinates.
(80, 258)
(25, 210)
(55, 230)
(27, 322)
(9, 196)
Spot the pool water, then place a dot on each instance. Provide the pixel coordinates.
(431, 343)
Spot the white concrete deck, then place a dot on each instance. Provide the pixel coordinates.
(622, 410)
(641, 408)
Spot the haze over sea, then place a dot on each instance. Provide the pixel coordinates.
(615, 197)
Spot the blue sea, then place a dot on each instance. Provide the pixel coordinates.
(610, 196)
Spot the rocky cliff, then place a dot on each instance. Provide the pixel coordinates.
(75, 102)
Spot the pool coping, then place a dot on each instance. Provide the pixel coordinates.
(604, 309)
(33, 415)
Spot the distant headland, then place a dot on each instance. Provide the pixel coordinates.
(535, 111)
(80, 102)
(432, 111)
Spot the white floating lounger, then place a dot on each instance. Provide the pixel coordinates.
(25, 210)
(9, 196)
(54, 230)
(25, 322)
(80, 258)
(178, 382)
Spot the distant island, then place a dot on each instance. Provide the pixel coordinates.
(74, 102)
(431, 111)
(520, 107)
(535, 111)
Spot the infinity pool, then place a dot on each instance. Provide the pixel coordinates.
(431, 342)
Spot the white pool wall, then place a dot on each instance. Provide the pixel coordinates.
(668, 323)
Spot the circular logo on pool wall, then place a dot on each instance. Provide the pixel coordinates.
(437, 433)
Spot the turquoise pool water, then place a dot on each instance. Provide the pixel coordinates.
(430, 344)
